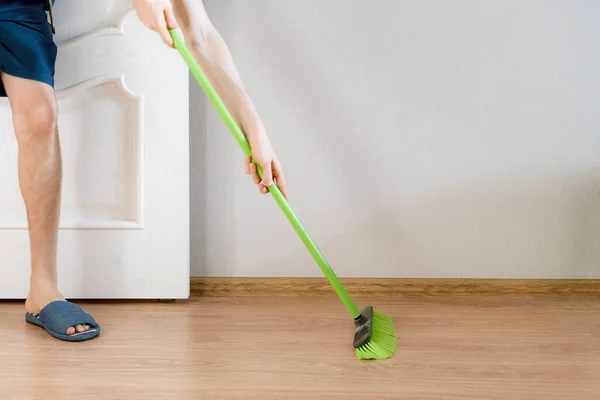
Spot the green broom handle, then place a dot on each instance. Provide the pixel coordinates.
(179, 43)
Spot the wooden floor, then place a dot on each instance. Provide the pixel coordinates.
(294, 348)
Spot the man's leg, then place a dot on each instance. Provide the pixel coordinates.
(35, 112)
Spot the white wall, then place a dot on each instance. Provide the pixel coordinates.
(419, 139)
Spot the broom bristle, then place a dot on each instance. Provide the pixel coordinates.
(383, 340)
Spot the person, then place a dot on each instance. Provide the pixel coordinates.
(27, 61)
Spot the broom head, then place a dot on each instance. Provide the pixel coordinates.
(374, 335)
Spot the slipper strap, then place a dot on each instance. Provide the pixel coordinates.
(61, 315)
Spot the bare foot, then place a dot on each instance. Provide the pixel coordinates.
(39, 298)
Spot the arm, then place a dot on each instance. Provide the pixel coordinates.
(213, 56)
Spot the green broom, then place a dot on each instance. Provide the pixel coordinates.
(374, 335)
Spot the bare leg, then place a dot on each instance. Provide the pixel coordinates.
(34, 113)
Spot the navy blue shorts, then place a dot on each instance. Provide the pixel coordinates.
(27, 48)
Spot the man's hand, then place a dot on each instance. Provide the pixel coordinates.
(265, 157)
(158, 16)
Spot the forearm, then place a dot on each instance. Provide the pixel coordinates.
(212, 54)
(215, 60)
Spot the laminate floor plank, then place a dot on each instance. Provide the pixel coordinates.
(301, 348)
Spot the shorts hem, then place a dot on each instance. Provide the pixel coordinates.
(24, 74)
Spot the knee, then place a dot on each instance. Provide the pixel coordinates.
(36, 122)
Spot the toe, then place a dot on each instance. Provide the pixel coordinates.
(70, 330)
(80, 328)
